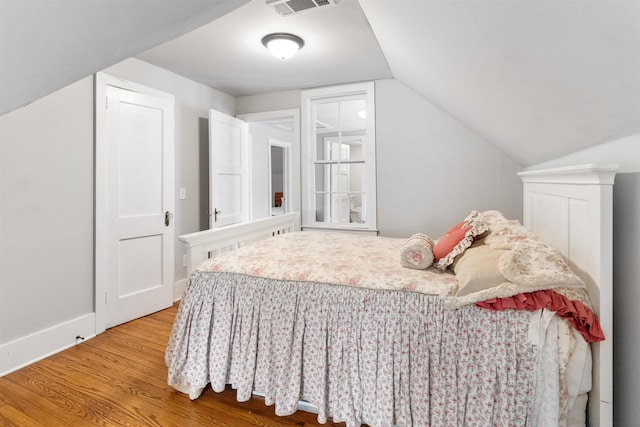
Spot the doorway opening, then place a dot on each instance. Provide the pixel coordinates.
(279, 176)
(278, 131)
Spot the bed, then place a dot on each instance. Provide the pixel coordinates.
(337, 321)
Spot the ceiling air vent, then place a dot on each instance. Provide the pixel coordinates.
(291, 7)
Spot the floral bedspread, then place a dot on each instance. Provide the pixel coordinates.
(365, 356)
(317, 317)
(374, 263)
(343, 259)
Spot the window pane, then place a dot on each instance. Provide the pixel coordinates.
(322, 177)
(339, 212)
(341, 116)
(332, 208)
(333, 178)
(340, 146)
(356, 147)
(327, 117)
(353, 115)
(321, 147)
(339, 179)
(356, 178)
(358, 209)
(320, 207)
(329, 148)
(340, 193)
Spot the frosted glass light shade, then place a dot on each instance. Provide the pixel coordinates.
(282, 45)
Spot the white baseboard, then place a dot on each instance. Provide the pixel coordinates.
(178, 289)
(39, 345)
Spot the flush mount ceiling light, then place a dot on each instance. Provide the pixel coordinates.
(282, 45)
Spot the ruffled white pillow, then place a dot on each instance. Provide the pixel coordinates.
(455, 241)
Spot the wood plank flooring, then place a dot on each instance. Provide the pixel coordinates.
(119, 379)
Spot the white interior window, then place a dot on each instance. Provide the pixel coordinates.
(339, 179)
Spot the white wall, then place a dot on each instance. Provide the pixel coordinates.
(47, 210)
(626, 270)
(432, 170)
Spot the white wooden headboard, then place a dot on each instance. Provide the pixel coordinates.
(571, 208)
(200, 245)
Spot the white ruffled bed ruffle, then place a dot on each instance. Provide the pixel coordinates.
(368, 356)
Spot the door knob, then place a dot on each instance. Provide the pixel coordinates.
(167, 218)
(216, 212)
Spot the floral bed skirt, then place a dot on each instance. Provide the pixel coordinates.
(361, 356)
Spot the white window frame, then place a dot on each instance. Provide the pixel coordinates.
(310, 98)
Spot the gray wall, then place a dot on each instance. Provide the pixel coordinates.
(47, 191)
(626, 270)
(626, 299)
(431, 170)
(46, 212)
(285, 100)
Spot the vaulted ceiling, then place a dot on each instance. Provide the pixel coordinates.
(48, 44)
(538, 79)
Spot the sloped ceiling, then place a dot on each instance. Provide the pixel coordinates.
(538, 79)
(48, 44)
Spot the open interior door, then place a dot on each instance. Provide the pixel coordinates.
(229, 170)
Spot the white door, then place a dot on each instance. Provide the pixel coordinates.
(229, 170)
(139, 203)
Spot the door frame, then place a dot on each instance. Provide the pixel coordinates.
(101, 81)
(286, 173)
(294, 158)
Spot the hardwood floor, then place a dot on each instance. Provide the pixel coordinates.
(119, 379)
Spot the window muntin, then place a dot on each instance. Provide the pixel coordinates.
(341, 159)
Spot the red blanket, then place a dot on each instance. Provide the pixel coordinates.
(576, 313)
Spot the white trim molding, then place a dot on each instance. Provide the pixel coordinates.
(39, 345)
(310, 100)
(589, 173)
(102, 81)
